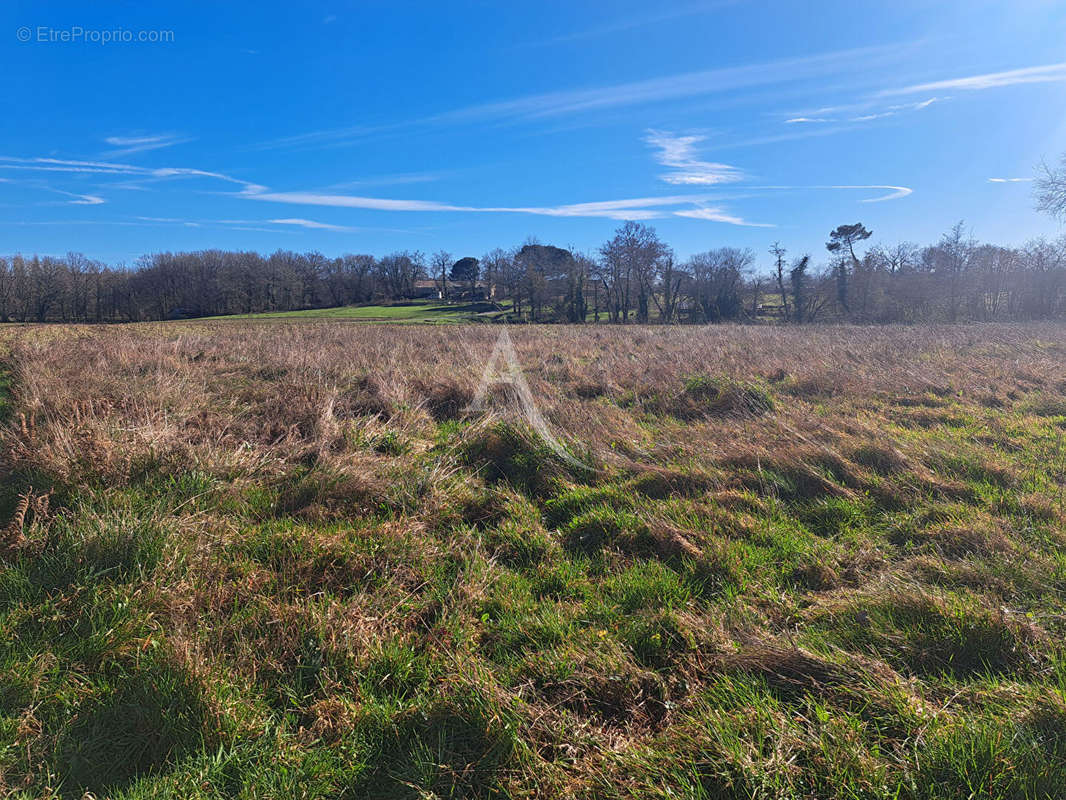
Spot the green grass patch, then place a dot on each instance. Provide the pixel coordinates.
(928, 635)
(433, 313)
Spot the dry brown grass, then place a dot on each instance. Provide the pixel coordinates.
(240, 399)
(792, 548)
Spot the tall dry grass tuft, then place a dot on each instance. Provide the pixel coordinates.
(241, 400)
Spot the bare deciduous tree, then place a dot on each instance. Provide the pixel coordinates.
(778, 252)
(717, 280)
(439, 264)
(1051, 189)
(632, 259)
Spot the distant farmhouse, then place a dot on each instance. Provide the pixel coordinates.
(456, 290)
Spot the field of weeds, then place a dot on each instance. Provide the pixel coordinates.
(290, 561)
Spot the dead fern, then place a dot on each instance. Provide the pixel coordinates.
(13, 537)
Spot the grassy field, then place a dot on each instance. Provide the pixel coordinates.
(415, 311)
(286, 561)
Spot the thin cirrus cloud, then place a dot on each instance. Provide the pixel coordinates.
(874, 113)
(634, 93)
(637, 21)
(679, 153)
(112, 168)
(676, 152)
(81, 199)
(249, 224)
(1047, 73)
(639, 208)
(332, 137)
(1009, 180)
(398, 179)
(894, 192)
(128, 145)
(643, 208)
(312, 224)
(719, 215)
(77, 198)
(672, 87)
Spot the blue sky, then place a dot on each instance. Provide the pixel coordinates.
(375, 126)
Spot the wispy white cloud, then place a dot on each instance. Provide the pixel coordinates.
(895, 192)
(284, 225)
(637, 21)
(113, 168)
(638, 208)
(231, 224)
(182, 172)
(927, 103)
(1047, 73)
(61, 165)
(1009, 180)
(641, 208)
(93, 222)
(672, 87)
(679, 153)
(675, 151)
(875, 112)
(77, 198)
(351, 201)
(719, 215)
(127, 145)
(82, 199)
(310, 223)
(333, 137)
(571, 102)
(399, 179)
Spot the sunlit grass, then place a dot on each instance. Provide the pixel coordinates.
(272, 561)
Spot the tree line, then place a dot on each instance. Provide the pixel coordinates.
(633, 278)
